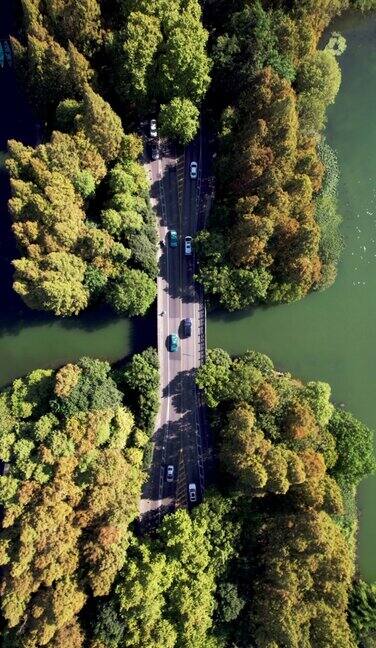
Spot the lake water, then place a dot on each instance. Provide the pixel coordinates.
(332, 335)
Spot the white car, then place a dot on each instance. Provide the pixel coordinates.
(192, 491)
(188, 245)
(170, 474)
(153, 128)
(193, 170)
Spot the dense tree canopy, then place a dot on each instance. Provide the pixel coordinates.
(272, 235)
(159, 58)
(71, 492)
(289, 458)
(80, 202)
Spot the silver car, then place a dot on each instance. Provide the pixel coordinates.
(153, 128)
(192, 491)
(193, 170)
(170, 474)
(188, 245)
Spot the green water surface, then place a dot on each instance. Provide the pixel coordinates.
(31, 342)
(332, 335)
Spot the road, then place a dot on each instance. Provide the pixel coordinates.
(181, 434)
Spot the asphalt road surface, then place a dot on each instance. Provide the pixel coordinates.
(180, 437)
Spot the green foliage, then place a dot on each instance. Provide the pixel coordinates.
(230, 604)
(279, 438)
(213, 377)
(76, 21)
(108, 627)
(354, 444)
(159, 58)
(133, 293)
(362, 610)
(56, 283)
(71, 492)
(272, 217)
(101, 125)
(179, 120)
(318, 80)
(140, 381)
(66, 113)
(164, 595)
(84, 183)
(54, 184)
(94, 390)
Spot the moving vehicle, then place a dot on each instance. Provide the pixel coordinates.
(192, 491)
(193, 168)
(154, 152)
(173, 342)
(170, 474)
(188, 245)
(153, 128)
(187, 327)
(173, 238)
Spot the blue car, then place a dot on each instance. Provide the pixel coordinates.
(173, 342)
(173, 238)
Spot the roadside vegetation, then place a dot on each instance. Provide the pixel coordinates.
(290, 462)
(267, 560)
(273, 233)
(74, 446)
(80, 201)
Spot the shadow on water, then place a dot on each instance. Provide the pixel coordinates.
(220, 315)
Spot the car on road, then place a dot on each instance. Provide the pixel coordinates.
(188, 245)
(192, 492)
(193, 168)
(154, 151)
(187, 327)
(153, 128)
(173, 342)
(170, 473)
(173, 238)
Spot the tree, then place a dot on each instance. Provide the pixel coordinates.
(318, 80)
(93, 389)
(231, 604)
(184, 65)
(101, 125)
(179, 120)
(354, 445)
(141, 379)
(47, 65)
(137, 48)
(71, 492)
(160, 54)
(108, 627)
(78, 22)
(362, 609)
(214, 376)
(133, 293)
(55, 284)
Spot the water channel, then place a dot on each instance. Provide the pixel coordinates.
(332, 335)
